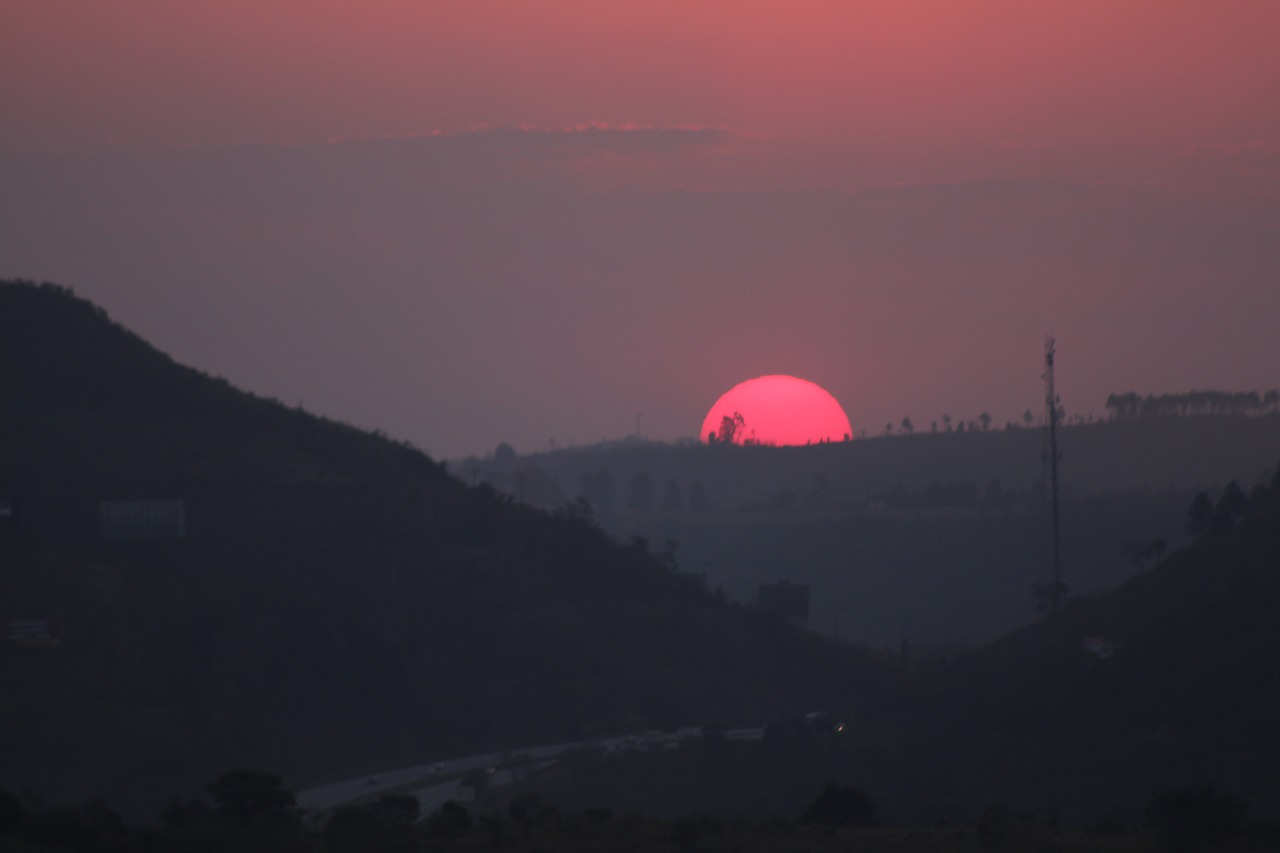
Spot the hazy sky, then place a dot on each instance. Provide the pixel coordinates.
(478, 221)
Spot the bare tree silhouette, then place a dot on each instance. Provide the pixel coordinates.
(730, 429)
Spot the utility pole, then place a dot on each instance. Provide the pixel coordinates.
(1051, 457)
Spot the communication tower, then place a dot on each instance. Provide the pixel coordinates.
(1057, 591)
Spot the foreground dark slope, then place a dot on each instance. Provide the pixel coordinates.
(1170, 680)
(338, 605)
(1168, 683)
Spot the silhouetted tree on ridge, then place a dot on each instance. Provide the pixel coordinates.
(599, 490)
(640, 496)
(1199, 515)
(730, 429)
(672, 500)
(839, 805)
(1232, 507)
(1129, 405)
(698, 500)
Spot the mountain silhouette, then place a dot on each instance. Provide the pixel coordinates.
(1168, 681)
(313, 599)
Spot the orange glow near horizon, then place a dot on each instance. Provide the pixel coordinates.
(779, 410)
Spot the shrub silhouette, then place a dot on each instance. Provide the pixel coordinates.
(1193, 818)
(840, 806)
(387, 824)
(450, 821)
(243, 795)
(11, 813)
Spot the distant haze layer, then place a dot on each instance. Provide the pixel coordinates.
(468, 223)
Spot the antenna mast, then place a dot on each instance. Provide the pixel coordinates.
(1057, 592)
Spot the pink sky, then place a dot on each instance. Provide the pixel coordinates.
(909, 76)
(634, 206)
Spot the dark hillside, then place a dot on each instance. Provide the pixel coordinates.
(1169, 681)
(336, 603)
(65, 363)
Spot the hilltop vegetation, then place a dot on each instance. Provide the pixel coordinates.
(1238, 404)
(337, 603)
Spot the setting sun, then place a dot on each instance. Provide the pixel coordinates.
(776, 410)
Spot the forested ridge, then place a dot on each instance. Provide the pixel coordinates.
(1235, 403)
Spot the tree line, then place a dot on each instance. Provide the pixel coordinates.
(1247, 403)
(1232, 509)
(253, 812)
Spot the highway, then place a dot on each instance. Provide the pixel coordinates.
(435, 783)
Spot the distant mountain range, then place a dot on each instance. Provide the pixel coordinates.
(1202, 448)
(937, 539)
